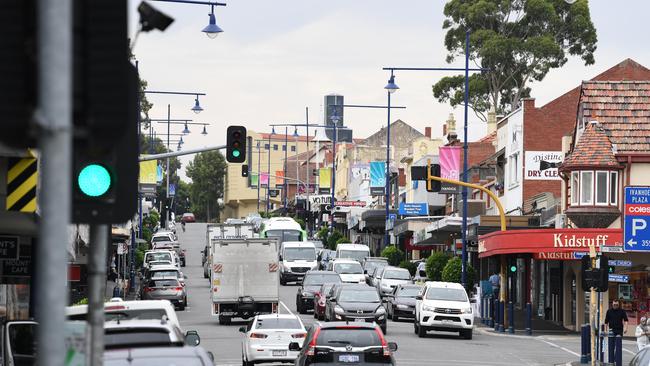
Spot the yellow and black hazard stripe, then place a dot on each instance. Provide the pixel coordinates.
(22, 176)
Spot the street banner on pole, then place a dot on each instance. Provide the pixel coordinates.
(279, 178)
(324, 179)
(449, 168)
(377, 177)
(264, 180)
(148, 172)
(413, 209)
(172, 190)
(159, 174)
(254, 180)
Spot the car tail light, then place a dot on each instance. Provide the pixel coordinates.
(274, 308)
(180, 288)
(384, 344)
(258, 335)
(116, 307)
(316, 294)
(149, 289)
(311, 348)
(299, 335)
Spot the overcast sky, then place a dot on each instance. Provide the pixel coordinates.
(275, 58)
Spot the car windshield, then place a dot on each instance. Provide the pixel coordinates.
(355, 337)
(164, 274)
(160, 238)
(22, 339)
(397, 275)
(277, 323)
(357, 255)
(348, 268)
(163, 283)
(319, 279)
(126, 314)
(408, 292)
(128, 337)
(446, 294)
(378, 272)
(370, 265)
(160, 263)
(158, 257)
(293, 254)
(326, 288)
(356, 295)
(285, 235)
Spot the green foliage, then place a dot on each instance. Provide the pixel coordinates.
(207, 172)
(394, 255)
(300, 221)
(343, 240)
(149, 224)
(83, 301)
(435, 265)
(452, 272)
(333, 239)
(412, 267)
(182, 201)
(518, 41)
(139, 254)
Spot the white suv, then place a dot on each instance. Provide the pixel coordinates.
(443, 306)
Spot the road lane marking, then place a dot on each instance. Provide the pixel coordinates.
(286, 307)
(557, 346)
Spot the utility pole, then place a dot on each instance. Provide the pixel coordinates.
(54, 118)
(97, 287)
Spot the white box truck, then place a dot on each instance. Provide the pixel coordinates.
(244, 279)
(231, 229)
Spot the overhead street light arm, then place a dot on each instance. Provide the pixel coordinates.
(179, 153)
(432, 69)
(169, 92)
(212, 3)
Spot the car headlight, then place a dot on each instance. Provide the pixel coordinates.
(380, 310)
(338, 310)
(466, 311)
(427, 308)
(306, 294)
(403, 307)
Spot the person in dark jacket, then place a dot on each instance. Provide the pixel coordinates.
(616, 322)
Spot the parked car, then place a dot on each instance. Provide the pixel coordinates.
(391, 277)
(267, 338)
(188, 217)
(341, 343)
(18, 345)
(443, 306)
(158, 356)
(320, 300)
(349, 269)
(310, 285)
(164, 271)
(129, 310)
(401, 302)
(166, 289)
(357, 303)
(370, 263)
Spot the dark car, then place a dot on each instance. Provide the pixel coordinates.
(311, 284)
(341, 343)
(357, 303)
(370, 263)
(320, 300)
(401, 302)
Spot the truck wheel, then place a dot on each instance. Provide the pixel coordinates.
(384, 328)
(224, 320)
(283, 282)
(301, 308)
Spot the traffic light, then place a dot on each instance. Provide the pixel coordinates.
(105, 100)
(236, 144)
(596, 277)
(434, 185)
(244, 170)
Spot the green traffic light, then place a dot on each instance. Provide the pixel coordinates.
(236, 153)
(94, 180)
(513, 268)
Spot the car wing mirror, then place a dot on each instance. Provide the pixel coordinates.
(294, 346)
(418, 297)
(192, 338)
(211, 355)
(392, 346)
(280, 258)
(242, 329)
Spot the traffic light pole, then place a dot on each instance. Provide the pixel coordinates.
(54, 118)
(97, 290)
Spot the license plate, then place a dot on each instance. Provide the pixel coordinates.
(360, 320)
(348, 358)
(447, 321)
(279, 353)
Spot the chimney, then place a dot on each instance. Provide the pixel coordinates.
(444, 129)
(451, 124)
(491, 121)
(427, 132)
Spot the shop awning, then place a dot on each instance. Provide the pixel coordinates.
(550, 243)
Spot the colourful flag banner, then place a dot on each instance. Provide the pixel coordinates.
(279, 178)
(324, 177)
(264, 179)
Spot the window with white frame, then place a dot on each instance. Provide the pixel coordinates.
(589, 188)
(514, 168)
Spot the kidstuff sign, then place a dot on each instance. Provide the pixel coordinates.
(549, 243)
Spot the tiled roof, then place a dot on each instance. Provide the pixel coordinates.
(594, 149)
(622, 108)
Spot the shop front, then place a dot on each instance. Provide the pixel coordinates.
(542, 266)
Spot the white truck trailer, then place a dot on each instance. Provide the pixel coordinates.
(231, 229)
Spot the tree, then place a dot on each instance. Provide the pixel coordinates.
(453, 272)
(518, 41)
(393, 254)
(182, 201)
(207, 171)
(435, 264)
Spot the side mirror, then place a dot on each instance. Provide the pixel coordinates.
(192, 338)
(294, 346)
(280, 258)
(419, 297)
(332, 299)
(211, 355)
(365, 271)
(392, 346)
(242, 329)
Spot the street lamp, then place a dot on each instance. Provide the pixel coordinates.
(204, 132)
(391, 87)
(212, 30)
(186, 130)
(197, 107)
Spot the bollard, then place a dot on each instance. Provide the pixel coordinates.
(496, 315)
(529, 319)
(511, 318)
(601, 345)
(585, 343)
(490, 310)
(502, 317)
(483, 311)
(615, 349)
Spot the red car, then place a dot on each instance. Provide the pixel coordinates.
(188, 217)
(320, 298)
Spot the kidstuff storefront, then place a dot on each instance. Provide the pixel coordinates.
(542, 266)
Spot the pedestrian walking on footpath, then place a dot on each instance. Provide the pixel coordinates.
(642, 333)
(495, 281)
(616, 322)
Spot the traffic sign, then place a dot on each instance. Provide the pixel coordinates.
(619, 278)
(413, 209)
(636, 232)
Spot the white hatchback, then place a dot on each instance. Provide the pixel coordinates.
(267, 338)
(348, 269)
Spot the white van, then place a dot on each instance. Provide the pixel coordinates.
(296, 258)
(443, 306)
(358, 252)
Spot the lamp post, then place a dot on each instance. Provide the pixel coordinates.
(212, 30)
(466, 70)
(268, 172)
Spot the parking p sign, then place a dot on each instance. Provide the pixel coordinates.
(636, 232)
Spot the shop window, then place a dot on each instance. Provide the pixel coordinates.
(602, 185)
(575, 188)
(586, 188)
(266, 146)
(284, 147)
(275, 147)
(514, 169)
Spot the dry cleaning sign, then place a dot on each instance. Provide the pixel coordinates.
(542, 165)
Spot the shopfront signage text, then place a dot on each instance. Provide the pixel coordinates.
(543, 165)
(350, 203)
(576, 241)
(620, 263)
